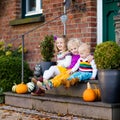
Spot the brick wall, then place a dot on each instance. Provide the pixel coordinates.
(80, 25)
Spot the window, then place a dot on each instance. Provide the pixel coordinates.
(31, 7)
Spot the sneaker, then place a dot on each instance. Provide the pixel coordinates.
(49, 85)
(40, 79)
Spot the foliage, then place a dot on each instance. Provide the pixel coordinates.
(10, 72)
(2, 98)
(10, 66)
(10, 51)
(47, 48)
(107, 55)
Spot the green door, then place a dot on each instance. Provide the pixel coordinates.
(110, 9)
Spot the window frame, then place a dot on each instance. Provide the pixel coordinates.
(38, 10)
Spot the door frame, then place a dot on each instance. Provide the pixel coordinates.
(99, 21)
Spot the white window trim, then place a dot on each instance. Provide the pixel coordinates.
(38, 9)
(99, 21)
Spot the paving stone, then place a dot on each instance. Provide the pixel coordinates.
(17, 113)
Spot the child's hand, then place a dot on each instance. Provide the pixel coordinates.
(68, 71)
(90, 58)
(67, 52)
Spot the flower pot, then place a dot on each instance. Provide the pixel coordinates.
(46, 65)
(109, 82)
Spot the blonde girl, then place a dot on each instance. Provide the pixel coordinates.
(63, 58)
(83, 69)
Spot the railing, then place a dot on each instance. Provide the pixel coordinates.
(82, 8)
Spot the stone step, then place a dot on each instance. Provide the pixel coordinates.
(65, 105)
(73, 91)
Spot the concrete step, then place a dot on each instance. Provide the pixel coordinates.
(65, 105)
(73, 91)
(66, 101)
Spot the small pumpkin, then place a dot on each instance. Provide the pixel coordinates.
(14, 87)
(21, 88)
(89, 94)
(98, 94)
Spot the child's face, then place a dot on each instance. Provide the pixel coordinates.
(74, 50)
(60, 44)
(83, 53)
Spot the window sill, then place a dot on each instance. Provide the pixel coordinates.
(27, 20)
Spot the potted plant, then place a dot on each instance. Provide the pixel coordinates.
(47, 53)
(107, 59)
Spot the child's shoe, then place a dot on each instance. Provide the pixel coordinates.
(38, 92)
(67, 84)
(49, 85)
(74, 81)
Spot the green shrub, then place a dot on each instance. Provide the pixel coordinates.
(10, 72)
(107, 55)
(9, 50)
(47, 48)
(11, 66)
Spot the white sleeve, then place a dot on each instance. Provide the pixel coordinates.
(76, 66)
(94, 73)
(67, 61)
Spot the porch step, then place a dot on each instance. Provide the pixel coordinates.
(73, 91)
(65, 105)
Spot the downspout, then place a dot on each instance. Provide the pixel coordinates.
(64, 22)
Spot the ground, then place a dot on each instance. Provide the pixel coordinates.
(15, 113)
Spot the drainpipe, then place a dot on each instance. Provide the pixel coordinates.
(64, 19)
(65, 22)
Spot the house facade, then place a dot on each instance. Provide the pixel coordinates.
(88, 20)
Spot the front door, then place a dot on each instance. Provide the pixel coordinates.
(110, 9)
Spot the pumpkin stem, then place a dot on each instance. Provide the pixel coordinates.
(88, 85)
(95, 86)
(14, 84)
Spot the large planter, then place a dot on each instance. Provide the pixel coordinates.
(41, 67)
(109, 81)
(46, 65)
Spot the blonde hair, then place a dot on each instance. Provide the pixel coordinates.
(84, 47)
(65, 42)
(73, 41)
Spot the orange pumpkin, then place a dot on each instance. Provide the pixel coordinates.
(89, 94)
(98, 94)
(21, 88)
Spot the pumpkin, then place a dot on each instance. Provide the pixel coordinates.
(21, 88)
(14, 87)
(98, 94)
(89, 94)
(30, 86)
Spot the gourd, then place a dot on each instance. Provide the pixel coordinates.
(30, 86)
(97, 92)
(14, 87)
(21, 88)
(89, 94)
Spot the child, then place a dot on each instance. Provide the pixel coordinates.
(63, 61)
(72, 45)
(83, 69)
